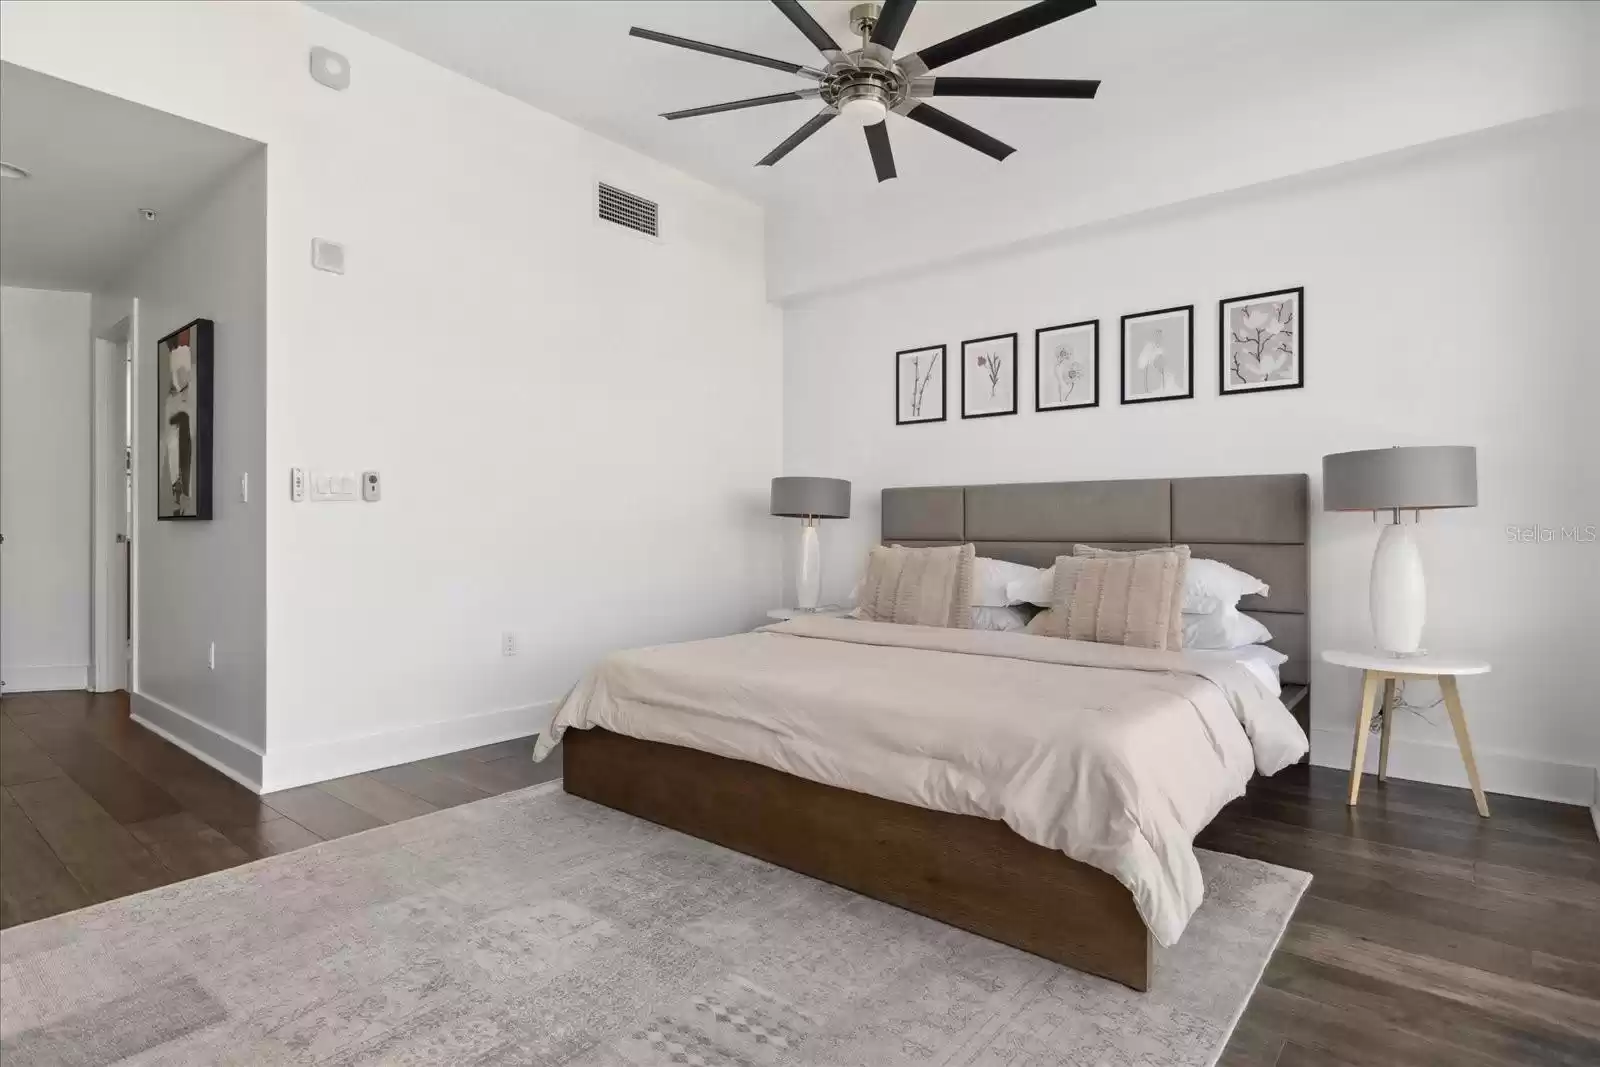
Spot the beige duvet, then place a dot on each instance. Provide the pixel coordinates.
(1116, 756)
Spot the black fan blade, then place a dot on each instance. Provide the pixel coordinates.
(891, 22)
(813, 124)
(715, 50)
(1034, 88)
(953, 127)
(882, 154)
(1000, 30)
(807, 25)
(735, 105)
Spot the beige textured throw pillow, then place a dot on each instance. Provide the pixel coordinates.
(1175, 634)
(1120, 600)
(919, 586)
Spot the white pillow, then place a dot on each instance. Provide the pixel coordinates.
(1038, 588)
(1003, 618)
(1208, 584)
(992, 580)
(1224, 628)
(1262, 661)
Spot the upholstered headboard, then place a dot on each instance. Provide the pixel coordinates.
(1255, 522)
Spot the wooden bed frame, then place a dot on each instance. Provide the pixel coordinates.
(970, 872)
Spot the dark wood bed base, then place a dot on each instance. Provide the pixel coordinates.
(973, 873)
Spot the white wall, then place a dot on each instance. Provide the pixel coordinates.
(199, 583)
(44, 489)
(575, 426)
(1443, 293)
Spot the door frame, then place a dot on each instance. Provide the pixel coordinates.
(112, 667)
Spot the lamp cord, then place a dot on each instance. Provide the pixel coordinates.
(1401, 704)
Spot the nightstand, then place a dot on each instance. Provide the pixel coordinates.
(826, 611)
(1379, 667)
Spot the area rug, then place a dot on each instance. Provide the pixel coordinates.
(537, 928)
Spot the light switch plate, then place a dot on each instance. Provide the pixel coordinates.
(335, 486)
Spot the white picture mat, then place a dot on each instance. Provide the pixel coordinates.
(1057, 386)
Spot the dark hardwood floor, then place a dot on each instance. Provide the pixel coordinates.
(1428, 936)
(93, 806)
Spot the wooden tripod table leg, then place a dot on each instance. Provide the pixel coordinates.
(1389, 686)
(1369, 696)
(1458, 720)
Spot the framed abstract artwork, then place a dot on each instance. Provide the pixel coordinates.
(1066, 366)
(989, 376)
(919, 385)
(183, 422)
(1261, 342)
(1158, 355)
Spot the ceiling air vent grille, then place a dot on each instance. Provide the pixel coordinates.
(626, 209)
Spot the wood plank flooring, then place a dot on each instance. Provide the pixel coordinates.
(1428, 936)
(94, 807)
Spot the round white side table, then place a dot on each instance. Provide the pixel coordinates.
(1378, 667)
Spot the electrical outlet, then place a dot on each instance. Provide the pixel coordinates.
(508, 644)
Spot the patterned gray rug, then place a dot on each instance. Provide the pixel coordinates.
(536, 928)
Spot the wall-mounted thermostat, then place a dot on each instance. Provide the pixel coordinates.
(370, 489)
(327, 255)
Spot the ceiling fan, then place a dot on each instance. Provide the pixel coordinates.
(865, 84)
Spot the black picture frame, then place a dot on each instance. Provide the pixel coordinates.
(1012, 337)
(1122, 365)
(944, 397)
(201, 333)
(1038, 346)
(1224, 349)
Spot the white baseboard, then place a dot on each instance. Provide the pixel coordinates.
(285, 768)
(1594, 809)
(1501, 772)
(45, 678)
(227, 752)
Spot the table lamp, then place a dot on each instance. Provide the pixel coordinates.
(1396, 480)
(810, 499)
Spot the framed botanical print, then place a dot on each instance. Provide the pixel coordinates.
(183, 422)
(1158, 355)
(989, 376)
(1261, 342)
(1066, 366)
(919, 385)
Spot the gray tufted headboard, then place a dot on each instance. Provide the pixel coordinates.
(1255, 522)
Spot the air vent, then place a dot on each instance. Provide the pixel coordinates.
(626, 209)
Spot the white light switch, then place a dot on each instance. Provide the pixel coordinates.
(338, 486)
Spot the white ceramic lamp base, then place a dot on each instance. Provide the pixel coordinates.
(808, 571)
(1399, 593)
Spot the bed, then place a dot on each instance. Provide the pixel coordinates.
(1040, 792)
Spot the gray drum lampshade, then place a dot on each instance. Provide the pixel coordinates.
(1378, 479)
(820, 498)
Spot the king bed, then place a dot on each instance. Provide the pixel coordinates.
(1038, 791)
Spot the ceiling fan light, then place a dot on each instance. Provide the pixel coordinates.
(864, 110)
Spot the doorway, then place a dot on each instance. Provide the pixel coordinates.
(112, 552)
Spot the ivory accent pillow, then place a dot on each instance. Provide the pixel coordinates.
(1175, 626)
(1117, 600)
(919, 586)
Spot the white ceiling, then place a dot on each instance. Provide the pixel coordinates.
(96, 161)
(574, 58)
